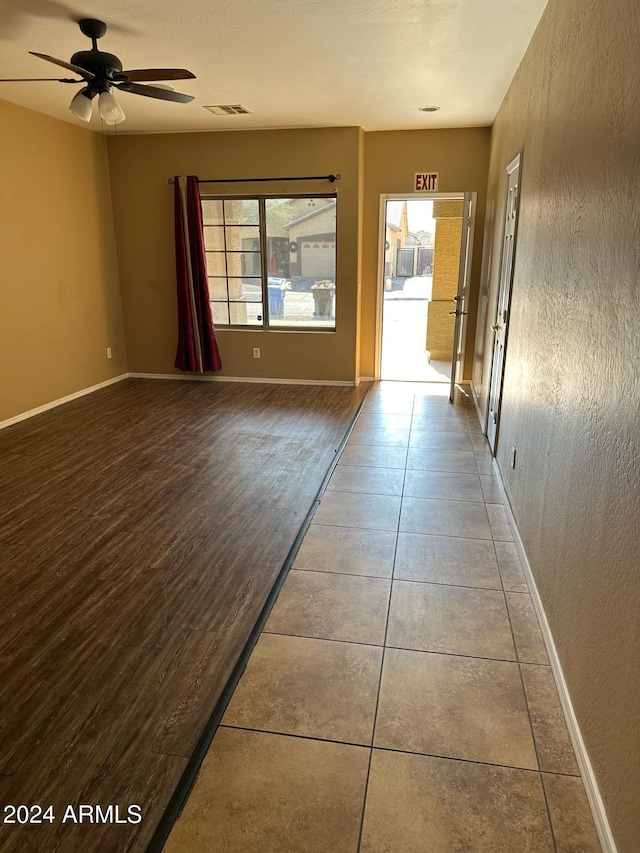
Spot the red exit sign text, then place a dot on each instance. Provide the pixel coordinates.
(426, 182)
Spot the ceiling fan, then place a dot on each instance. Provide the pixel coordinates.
(102, 71)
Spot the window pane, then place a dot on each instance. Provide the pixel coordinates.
(241, 211)
(300, 254)
(301, 250)
(310, 308)
(218, 289)
(235, 289)
(246, 313)
(243, 263)
(242, 238)
(216, 263)
(245, 289)
(212, 211)
(220, 312)
(214, 238)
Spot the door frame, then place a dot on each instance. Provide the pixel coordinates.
(384, 198)
(505, 288)
(464, 287)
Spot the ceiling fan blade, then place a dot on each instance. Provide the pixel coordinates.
(88, 75)
(38, 80)
(154, 92)
(141, 74)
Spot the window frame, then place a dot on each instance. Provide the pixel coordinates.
(266, 326)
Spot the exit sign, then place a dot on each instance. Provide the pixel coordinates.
(426, 182)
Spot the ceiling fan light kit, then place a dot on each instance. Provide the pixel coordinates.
(110, 110)
(81, 105)
(101, 71)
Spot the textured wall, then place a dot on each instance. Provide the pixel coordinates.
(571, 400)
(59, 296)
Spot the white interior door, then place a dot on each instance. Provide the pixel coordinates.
(501, 324)
(460, 299)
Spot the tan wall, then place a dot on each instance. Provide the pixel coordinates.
(59, 298)
(446, 263)
(446, 258)
(143, 213)
(572, 381)
(461, 157)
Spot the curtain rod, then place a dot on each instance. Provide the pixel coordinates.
(331, 178)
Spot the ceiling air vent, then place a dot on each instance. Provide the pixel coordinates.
(228, 110)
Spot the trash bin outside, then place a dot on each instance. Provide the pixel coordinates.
(323, 294)
(277, 287)
(276, 301)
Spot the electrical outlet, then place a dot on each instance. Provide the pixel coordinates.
(109, 353)
(256, 352)
(513, 456)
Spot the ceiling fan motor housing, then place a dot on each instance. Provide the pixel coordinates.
(104, 65)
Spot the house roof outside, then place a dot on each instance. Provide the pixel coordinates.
(312, 213)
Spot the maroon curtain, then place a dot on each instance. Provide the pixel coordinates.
(197, 347)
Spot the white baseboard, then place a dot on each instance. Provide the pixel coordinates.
(365, 379)
(54, 403)
(207, 377)
(586, 769)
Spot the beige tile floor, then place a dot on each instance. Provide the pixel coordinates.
(400, 698)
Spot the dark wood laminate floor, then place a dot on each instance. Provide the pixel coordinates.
(141, 529)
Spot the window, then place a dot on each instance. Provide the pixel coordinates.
(271, 261)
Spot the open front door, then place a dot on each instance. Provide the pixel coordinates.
(464, 273)
(501, 324)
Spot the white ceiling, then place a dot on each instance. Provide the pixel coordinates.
(292, 63)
